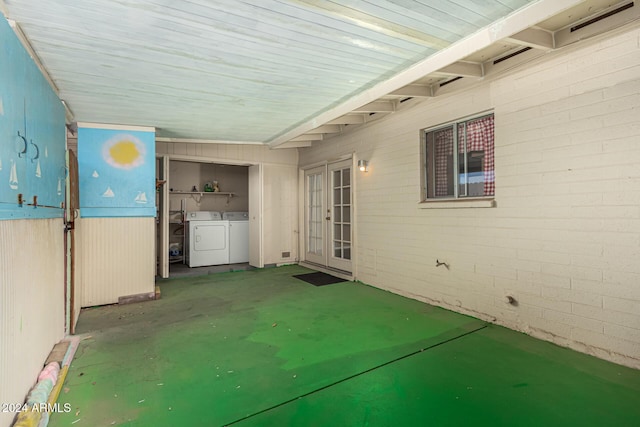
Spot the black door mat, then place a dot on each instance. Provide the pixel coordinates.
(319, 279)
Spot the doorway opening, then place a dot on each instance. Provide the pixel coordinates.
(203, 221)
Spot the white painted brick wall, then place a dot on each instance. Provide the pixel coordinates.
(564, 239)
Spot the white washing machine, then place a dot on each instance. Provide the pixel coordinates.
(238, 236)
(207, 238)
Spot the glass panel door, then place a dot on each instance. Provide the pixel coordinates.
(340, 215)
(315, 207)
(328, 215)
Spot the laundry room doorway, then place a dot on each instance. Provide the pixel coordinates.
(328, 215)
(193, 188)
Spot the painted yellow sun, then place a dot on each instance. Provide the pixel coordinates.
(124, 152)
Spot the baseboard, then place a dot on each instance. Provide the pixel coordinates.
(130, 299)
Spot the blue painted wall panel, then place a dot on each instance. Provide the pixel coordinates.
(116, 171)
(32, 135)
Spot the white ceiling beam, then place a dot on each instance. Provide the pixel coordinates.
(533, 37)
(516, 22)
(376, 107)
(463, 69)
(307, 137)
(348, 119)
(326, 129)
(382, 26)
(295, 144)
(414, 91)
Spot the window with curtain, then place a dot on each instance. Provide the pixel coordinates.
(459, 159)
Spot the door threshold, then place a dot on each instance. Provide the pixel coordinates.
(346, 275)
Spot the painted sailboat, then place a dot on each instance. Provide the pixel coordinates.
(59, 186)
(38, 171)
(95, 174)
(108, 193)
(46, 152)
(13, 176)
(141, 197)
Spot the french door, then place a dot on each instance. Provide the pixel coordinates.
(328, 215)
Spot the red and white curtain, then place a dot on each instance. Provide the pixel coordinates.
(479, 137)
(480, 134)
(443, 151)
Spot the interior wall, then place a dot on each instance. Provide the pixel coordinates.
(233, 152)
(280, 229)
(280, 210)
(115, 254)
(114, 259)
(231, 179)
(31, 303)
(564, 238)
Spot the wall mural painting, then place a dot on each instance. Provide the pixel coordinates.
(117, 172)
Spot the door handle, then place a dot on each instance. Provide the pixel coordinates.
(328, 218)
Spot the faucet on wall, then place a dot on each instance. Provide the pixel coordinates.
(439, 263)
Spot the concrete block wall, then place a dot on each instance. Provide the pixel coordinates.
(564, 237)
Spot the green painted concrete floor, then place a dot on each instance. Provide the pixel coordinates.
(261, 348)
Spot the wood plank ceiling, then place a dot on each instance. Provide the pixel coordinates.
(279, 72)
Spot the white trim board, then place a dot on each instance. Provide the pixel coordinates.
(115, 127)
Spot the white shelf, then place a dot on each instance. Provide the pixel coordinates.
(202, 193)
(214, 193)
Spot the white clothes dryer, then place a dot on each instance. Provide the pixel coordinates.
(207, 239)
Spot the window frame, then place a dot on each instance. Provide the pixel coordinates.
(455, 200)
